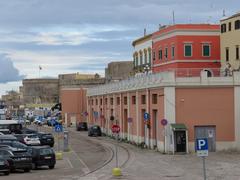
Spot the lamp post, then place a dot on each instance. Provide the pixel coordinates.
(146, 68)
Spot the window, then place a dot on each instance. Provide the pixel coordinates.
(237, 52)
(223, 28)
(137, 63)
(173, 51)
(101, 101)
(154, 98)
(141, 58)
(92, 101)
(96, 101)
(206, 50)
(229, 26)
(160, 54)
(118, 100)
(166, 52)
(106, 101)
(111, 101)
(188, 50)
(227, 54)
(149, 55)
(143, 99)
(154, 55)
(133, 99)
(145, 57)
(237, 24)
(125, 100)
(46, 151)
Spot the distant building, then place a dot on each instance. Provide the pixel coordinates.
(187, 49)
(40, 91)
(142, 53)
(230, 43)
(118, 70)
(72, 94)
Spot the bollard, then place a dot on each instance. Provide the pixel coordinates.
(59, 155)
(65, 143)
(116, 172)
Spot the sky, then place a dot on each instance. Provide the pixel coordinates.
(69, 36)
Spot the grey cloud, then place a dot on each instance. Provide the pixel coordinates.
(8, 72)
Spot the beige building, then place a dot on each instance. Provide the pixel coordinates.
(230, 42)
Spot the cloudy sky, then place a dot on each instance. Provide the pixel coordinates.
(65, 36)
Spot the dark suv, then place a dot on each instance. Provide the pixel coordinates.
(43, 156)
(95, 130)
(81, 126)
(17, 158)
(46, 138)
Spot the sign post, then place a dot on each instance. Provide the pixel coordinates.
(202, 151)
(58, 129)
(164, 122)
(116, 129)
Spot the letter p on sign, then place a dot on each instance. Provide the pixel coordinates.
(202, 144)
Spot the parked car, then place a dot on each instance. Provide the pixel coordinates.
(16, 144)
(28, 131)
(46, 138)
(43, 156)
(7, 138)
(95, 130)
(31, 140)
(82, 126)
(28, 139)
(17, 158)
(4, 166)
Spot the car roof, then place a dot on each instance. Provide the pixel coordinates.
(8, 137)
(41, 147)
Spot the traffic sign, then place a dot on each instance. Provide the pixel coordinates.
(130, 120)
(146, 116)
(202, 147)
(115, 128)
(164, 122)
(58, 128)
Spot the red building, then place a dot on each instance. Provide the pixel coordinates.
(187, 49)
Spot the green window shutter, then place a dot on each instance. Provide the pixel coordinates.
(188, 50)
(206, 50)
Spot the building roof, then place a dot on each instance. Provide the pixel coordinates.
(146, 37)
(233, 16)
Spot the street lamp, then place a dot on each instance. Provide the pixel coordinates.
(146, 68)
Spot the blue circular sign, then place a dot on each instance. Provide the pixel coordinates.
(146, 116)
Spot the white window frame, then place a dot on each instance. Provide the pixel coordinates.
(204, 44)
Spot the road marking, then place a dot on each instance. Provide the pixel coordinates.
(85, 169)
(69, 162)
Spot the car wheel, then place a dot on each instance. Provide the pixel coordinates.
(27, 170)
(51, 167)
(6, 173)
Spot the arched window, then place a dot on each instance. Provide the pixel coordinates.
(149, 55)
(145, 56)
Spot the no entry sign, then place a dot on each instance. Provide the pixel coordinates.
(115, 128)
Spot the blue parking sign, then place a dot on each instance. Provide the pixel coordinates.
(58, 128)
(146, 116)
(202, 147)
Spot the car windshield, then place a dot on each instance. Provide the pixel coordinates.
(46, 151)
(19, 145)
(32, 136)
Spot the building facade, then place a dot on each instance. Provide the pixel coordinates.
(193, 107)
(230, 42)
(142, 54)
(72, 92)
(187, 49)
(119, 70)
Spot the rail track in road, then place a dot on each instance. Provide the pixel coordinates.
(109, 145)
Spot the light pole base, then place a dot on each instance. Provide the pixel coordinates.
(59, 155)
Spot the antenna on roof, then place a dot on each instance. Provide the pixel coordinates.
(173, 16)
(144, 32)
(224, 13)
